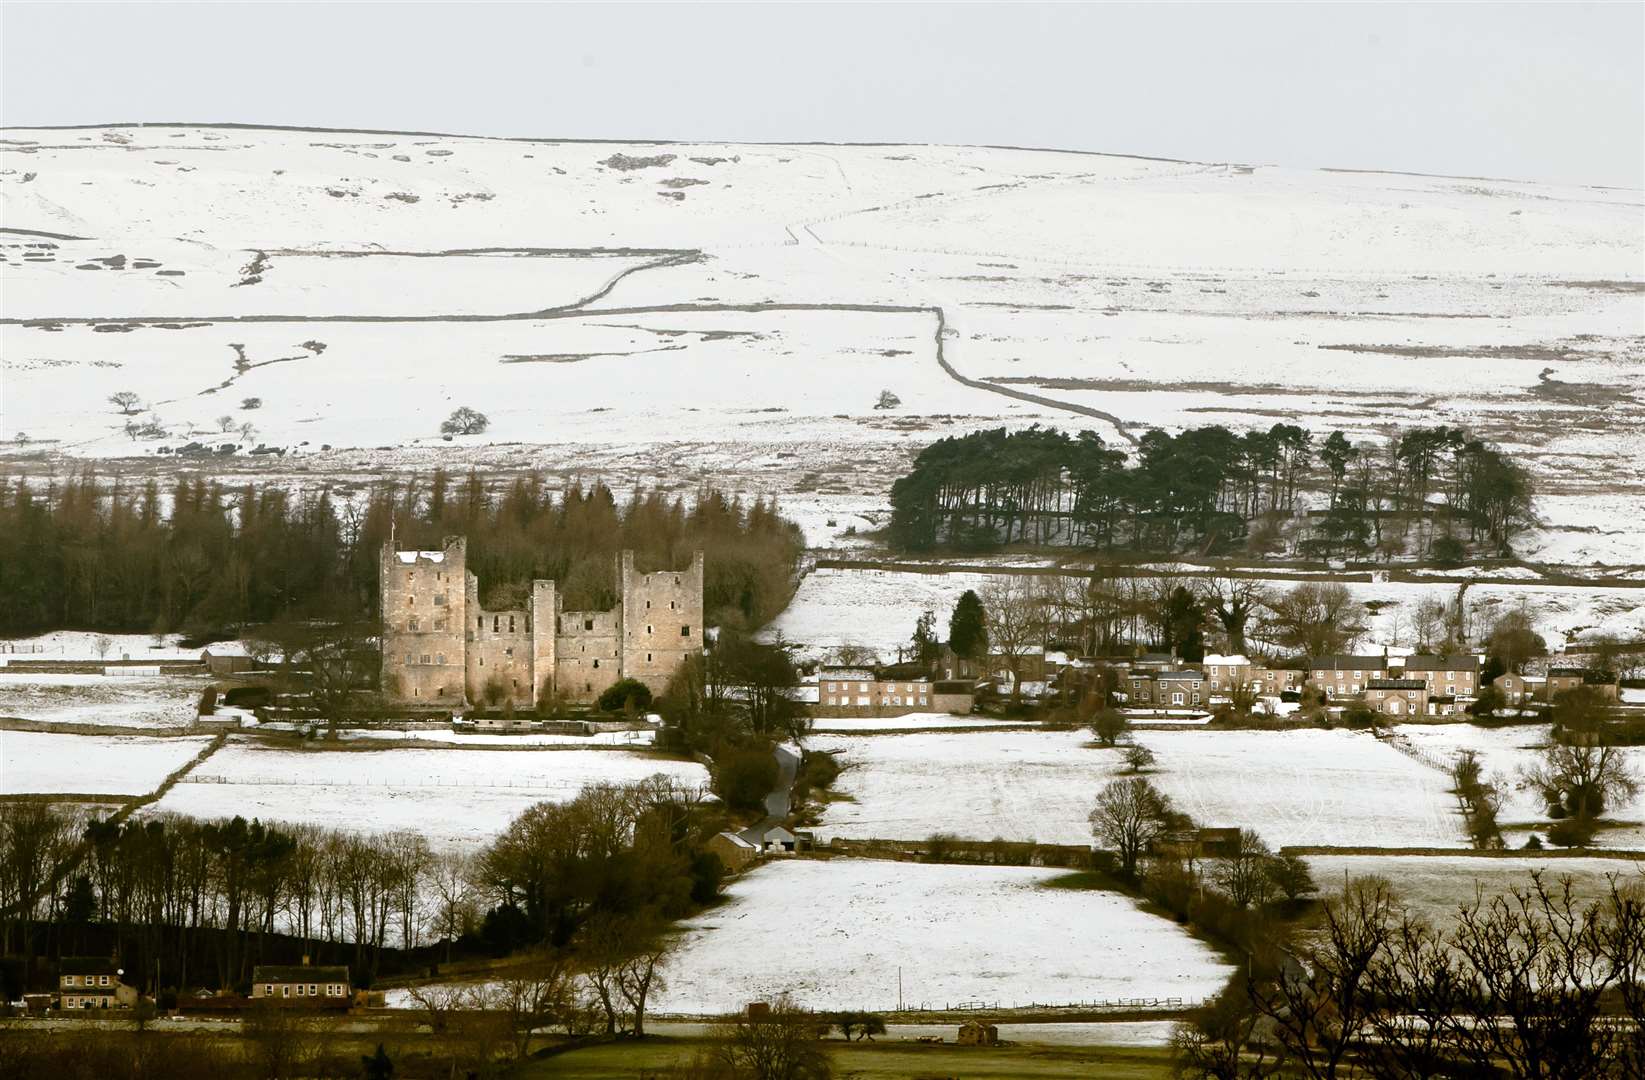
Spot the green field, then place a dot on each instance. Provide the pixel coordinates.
(875, 1061)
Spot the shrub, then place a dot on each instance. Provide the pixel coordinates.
(1572, 832)
(743, 778)
(626, 695)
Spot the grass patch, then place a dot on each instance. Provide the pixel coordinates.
(881, 1060)
(1082, 880)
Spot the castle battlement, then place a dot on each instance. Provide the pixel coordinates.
(441, 647)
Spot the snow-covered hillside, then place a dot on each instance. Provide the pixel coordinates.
(658, 313)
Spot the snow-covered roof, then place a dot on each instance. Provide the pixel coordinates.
(736, 840)
(412, 556)
(1230, 660)
(845, 673)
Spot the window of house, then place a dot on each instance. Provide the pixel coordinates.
(285, 991)
(685, 631)
(922, 699)
(862, 701)
(1355, 688)
(862, 686)
(596, 663)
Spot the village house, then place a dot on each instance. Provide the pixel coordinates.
(1346, 676)
(1563, 679)
(318, 986)
(1397, 697)
(1518, 689)
(1174, 689)
(1226, 674)
(89, 982)
(855, 691)
(1450, 676)
(1265, 681)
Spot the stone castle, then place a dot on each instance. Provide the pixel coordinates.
(441, 648)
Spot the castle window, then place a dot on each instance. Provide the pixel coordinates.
(409, 660)
(648, 605)
(676, 581)
(588, 624)
(556, 624)
(412, 624)
(671, 605)
(439, 599)
(511, 624)
(596, 663)
(425, 658)
(411, 601)
(587, 687)
(528, 624)
(440, 658)
(648, 629)
(685, 631)
(648, 658)
(496, 623)
(479, 622)
(508, 651)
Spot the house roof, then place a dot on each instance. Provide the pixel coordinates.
(1591, 676)
(861, 674)
(1231, 660)
(87, 965)
(299, 973)
(1344, 662)
(736, 840)
(1455, 662)
(1396, 684)
(1185, 673)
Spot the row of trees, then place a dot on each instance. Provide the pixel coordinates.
(1206, 486)
(202, 557)
(188, 902)
(1534, 982)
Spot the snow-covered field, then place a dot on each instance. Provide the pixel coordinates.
(167, 701)
(452, 796)
(834, 934)
(876, 609)
(911, 721)
(673, 302)
(1305, 787)
(35, 762)
(90, 645)
(1435, 886)
(638, 738)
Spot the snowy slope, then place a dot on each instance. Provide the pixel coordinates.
(611, 307)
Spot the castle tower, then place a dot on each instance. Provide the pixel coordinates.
(424, 613)
(662, 615)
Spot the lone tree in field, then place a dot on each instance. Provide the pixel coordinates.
(1130, 814)
(1579, 775)
(888, 400)
(1109, 726)
(1138, 758)
(126, 401)
(465, 421)
(225, 423)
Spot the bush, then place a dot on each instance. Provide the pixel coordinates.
(626, 695)
(1572, 832)
(1359, 716)
(743, 778)
(1449, 551)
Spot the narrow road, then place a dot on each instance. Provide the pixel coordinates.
(778, 803)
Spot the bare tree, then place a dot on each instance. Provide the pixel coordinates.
(464, 421)
(1233, 602)
(225, 423)
(1016, 623)
(126, 401)
(1428, 621)
(448, 873)
(1243, 874)
(783, 1044)
(1316, 618)
(1129, 815)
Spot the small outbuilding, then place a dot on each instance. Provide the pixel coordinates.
(977, 1033)
(734, 852)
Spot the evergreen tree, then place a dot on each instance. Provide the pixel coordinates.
(967, 627)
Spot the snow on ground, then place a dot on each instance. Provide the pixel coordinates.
(90, 645)
(637, 737)
(128, 700)
(834, 934)
(37, 762)
(454, 797)
(1435, 886)
(1018, 785)
(875, 609)
(847, 724)
(1304, 787)
(1169, 293)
